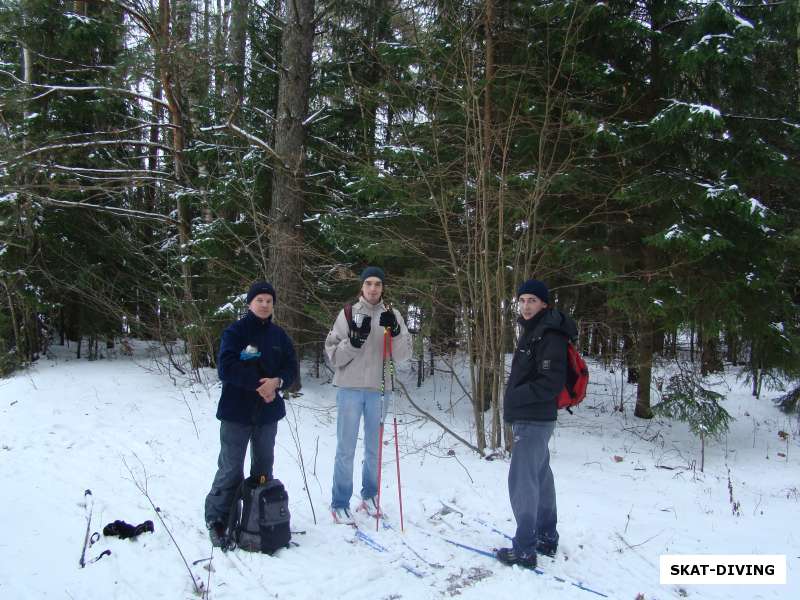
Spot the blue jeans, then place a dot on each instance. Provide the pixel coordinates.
(351, 403)
(233, 440)
(531, 487)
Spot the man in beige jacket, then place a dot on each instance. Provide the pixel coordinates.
(356, 351)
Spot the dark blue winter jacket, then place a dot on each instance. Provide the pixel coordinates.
(539, 367)
(239, 401)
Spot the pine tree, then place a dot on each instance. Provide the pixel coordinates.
(686, 399)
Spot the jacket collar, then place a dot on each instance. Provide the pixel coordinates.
(253, 319)
(530, 324)
(366, 307)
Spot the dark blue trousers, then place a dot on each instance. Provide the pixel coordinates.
(233, 439)
(531, 487)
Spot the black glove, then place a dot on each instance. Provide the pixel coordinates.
(126, 530)
(388, 319)
(359, 335)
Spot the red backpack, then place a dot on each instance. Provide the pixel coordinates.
(577, 380)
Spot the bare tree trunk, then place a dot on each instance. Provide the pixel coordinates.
(596, 341)
(13, 316)
(583, 343)
(645, 366)
(288, 201)
(26, 221)
(797, 53)
(710, 361)
(172, 91)
(487, 194)
(732, 347)
(220, 35)
(702, 452)
(755, 370)
(629, 356)
(234, 86)
(376, 30)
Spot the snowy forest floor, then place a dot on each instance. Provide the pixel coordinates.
(628, 491)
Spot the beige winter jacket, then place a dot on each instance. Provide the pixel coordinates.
(362, 367)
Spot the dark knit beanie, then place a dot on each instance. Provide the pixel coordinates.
(372, 272)
(261, 287)
(535, 287)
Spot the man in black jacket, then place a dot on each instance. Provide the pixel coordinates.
(256, 361)
(538, 374)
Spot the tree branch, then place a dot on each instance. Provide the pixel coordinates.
(124, 212)
(92, 143)
(85, 88)
(437, 421)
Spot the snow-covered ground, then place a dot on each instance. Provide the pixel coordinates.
(627, 493)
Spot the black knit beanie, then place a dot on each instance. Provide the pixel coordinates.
(261, 287)
(535, 287)
(372, 272)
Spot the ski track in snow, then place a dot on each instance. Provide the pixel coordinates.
(68, 425)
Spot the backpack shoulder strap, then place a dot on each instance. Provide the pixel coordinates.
(234, 515)
(348, 315)
(541, 334)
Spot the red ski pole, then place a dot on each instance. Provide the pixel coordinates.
(386, 335)
(396, 442)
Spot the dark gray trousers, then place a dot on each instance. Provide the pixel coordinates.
(233, 439)
(531, 487)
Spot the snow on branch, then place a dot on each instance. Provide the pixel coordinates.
(85, 88)
(255, 140)
(124, 212)
(130, 172)
(691, 107)
(313, 117)
(90, 144)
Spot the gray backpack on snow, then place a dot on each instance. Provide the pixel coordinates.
(259, 517)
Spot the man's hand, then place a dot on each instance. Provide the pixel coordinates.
(359, 335)
(268, 387)
(388, 319)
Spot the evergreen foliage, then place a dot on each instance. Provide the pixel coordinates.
(641, 157)
(685, 399)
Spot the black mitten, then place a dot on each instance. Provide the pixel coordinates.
(388, 319)
(119, 528)
(359, 335)
(143, 527)
(126, 530)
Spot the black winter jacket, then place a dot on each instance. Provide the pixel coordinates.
(539, 367)
(239, 401)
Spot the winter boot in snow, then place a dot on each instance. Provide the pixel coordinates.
(369, 506)
(510, 557)
(216, 532)
(547, 548)
(342, 516)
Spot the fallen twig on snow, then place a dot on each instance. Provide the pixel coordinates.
(632, 546)
(142, 487)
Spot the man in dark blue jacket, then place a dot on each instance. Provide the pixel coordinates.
(538, 374)
(256, 361)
